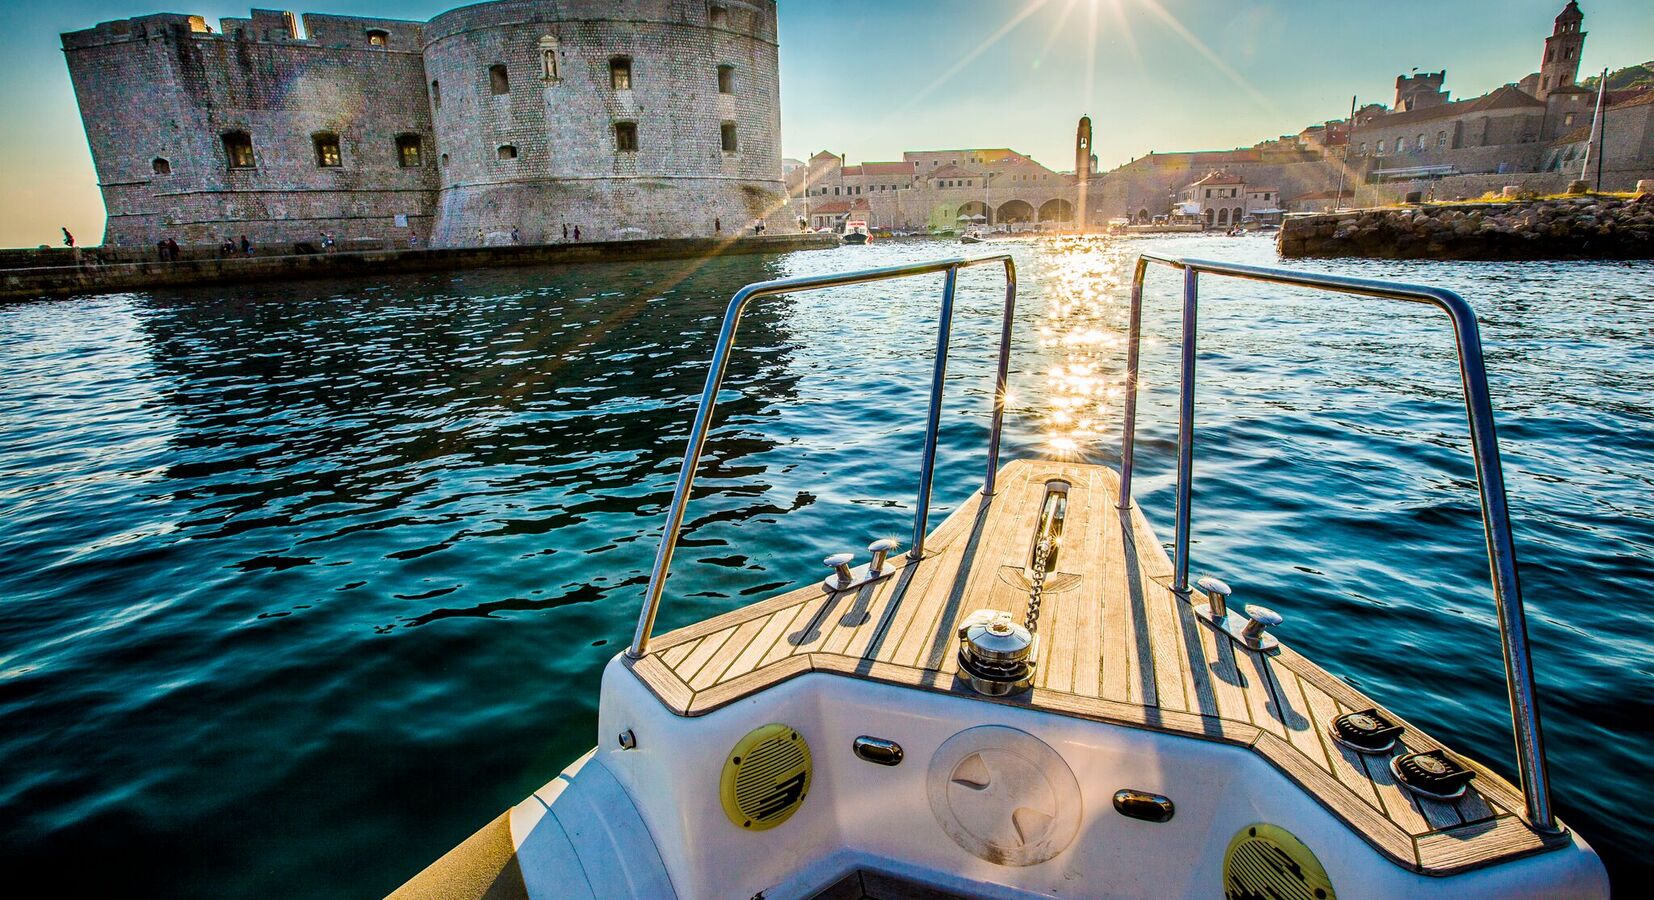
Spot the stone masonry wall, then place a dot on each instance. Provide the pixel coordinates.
(567, 168)
(159, 88)
(1582, 227)
(165, 88)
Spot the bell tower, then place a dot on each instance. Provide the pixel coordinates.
(1561, 64)
(1082, 170)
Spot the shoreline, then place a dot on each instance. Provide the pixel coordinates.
(98, 278)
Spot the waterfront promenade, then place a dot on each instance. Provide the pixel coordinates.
(89, 277)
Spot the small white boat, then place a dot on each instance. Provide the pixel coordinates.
(1031, 701)
(856, 232)
(971, 237)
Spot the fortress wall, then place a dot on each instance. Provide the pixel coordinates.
(157, 87)
(567, 168)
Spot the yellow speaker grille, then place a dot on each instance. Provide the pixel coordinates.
(765, 777)
(1265, 862)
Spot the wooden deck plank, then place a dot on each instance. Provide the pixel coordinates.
(1260, 693)
(711, 673)
(1116, 646)
(675, 654)
(775, 625)
(1225, 677)
(1088, 651)
(1298, 718)
(702, 654)
(1346, 763)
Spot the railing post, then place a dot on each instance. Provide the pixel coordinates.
(686, 475)
(1000, 379)
(933, 419)
(1185, 432)
(1134, 340)
(1501, 554)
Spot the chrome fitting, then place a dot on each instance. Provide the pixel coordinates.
(1258, 619)
(842, 577)
(880, 549)
(1217, 596)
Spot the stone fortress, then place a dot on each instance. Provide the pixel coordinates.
(490, 123)
(1531, 133)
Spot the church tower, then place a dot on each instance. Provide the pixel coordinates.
(1562, 50)
(1082, 170)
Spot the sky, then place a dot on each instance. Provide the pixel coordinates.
(871, 78)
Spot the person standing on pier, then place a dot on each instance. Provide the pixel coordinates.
(577, 233)
(717, 225)
(68, 239)
(565, 231)
(246, 246)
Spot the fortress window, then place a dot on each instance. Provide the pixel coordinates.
(445, 160)
(378, 38)
(505, 151)
(626, 137)
(327, 150)
(728, 131)
(726, 79)
(161, 166)
(1441, 138)
(718, 14)
(1380, 149)
(238, 150)
(498, 81)
(407, 150)
(548, 58)
(436, 94)
(620, 73)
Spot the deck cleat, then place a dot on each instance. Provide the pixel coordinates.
(996, 655)
(1436, 774)
(1366, 731)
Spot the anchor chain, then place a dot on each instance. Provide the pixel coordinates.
(1036, 589)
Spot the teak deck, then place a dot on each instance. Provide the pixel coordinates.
(1116, 645)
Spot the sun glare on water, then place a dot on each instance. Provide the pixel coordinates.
(1080, 334)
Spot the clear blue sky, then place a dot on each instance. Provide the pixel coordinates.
(871, 78)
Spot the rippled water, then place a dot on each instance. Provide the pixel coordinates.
(300, 584)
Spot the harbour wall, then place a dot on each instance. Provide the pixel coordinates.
(1584, 227)
(90, 277)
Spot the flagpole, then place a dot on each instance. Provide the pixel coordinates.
(1596, 126)
(1349, 147)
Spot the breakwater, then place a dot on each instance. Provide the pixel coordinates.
(90, 277)
(1582, 227)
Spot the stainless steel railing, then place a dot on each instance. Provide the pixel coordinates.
(933, 420)
(1484, 444)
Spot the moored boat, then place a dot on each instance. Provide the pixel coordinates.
(1032, 700)
(856, 232)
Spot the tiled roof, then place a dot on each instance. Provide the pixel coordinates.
(830, 207)
(948, 171)
(825, 154)
(1507, 97)
(887, 168)
(1640, 99)
(1582, 133)
(851, 170)
(1216, 177)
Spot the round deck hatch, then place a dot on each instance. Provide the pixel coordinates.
(765, 777)
(1267, 861)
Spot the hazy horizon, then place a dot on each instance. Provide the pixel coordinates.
(872, 78)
